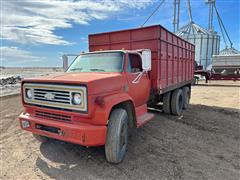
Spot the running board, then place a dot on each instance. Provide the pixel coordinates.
(141, 120)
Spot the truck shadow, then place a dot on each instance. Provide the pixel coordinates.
(61, 160)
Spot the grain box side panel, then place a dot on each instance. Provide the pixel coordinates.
(180, 64)
(163, 67)
(120, 37)
(120, 46)
(175, 59)
(149, 33)
(98, 39)
(169, 64)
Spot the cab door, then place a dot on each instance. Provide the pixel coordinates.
(138, 80)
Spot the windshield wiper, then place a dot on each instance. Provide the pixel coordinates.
(74, 69)
(95, 69)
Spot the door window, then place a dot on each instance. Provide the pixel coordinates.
(134, 63)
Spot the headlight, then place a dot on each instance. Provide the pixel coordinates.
(29, 93)
(77, 98)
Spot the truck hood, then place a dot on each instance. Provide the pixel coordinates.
(96, 82)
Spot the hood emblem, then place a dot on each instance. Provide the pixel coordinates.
(49, 96)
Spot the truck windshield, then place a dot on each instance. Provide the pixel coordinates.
(98, 62)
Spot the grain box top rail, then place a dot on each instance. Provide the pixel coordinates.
(145, 27)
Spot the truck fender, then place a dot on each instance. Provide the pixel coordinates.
(112, 100)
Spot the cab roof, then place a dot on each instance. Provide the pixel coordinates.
(122, 51)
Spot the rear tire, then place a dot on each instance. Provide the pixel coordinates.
(117, 136)
(177, 102)
(40, 138)
(167, 103)
(186, 97)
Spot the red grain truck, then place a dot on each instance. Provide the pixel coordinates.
(106, 92)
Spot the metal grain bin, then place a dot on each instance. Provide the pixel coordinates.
(206, 43)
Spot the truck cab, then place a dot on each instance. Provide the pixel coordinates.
(100, 97)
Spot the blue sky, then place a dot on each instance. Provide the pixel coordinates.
(37, 33)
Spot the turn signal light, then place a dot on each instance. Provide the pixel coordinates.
(100, 101)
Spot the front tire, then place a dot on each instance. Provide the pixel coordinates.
(117, 136)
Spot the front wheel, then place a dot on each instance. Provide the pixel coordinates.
(117, 136)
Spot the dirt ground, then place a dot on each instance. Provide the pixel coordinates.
(204, 143)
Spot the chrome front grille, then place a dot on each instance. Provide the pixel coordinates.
(52, 96)
(55, 96)
(52, 116)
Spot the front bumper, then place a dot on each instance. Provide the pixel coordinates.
(83, 133)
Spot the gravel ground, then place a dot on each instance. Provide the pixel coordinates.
(204, 143)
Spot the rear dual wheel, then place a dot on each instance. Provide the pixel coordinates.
(186, 96)
(175, 101)
(167, 102)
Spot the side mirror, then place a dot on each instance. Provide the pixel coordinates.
(65, 62)
(146, 60)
